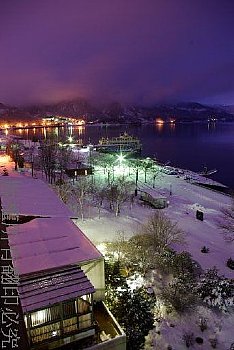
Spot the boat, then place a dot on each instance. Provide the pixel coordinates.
(207, 172)
(124, 143)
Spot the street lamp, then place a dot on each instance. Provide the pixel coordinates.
(120, 159)
(32, 164)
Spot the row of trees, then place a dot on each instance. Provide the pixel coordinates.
(51, 158)
(54, 158)
(133, 166)
(113, 195)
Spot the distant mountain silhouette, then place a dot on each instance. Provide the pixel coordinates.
(115, 112)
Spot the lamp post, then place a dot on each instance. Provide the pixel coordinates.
(120, 159)
(70, 139)
(137, 175)
(32, 165)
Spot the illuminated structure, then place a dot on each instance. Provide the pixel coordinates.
(61, 273)
(60, 120)
(123, 143)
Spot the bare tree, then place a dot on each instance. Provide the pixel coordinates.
(147, 165)
(135, 164)
(161, 232)
(82, 187)
(13, 150)
(64, 190)
(99, 195)
(64, 157)
(47, 158)
(107, 162)
(149, 248)
(227, 222)
(53, 157)
(119, 191)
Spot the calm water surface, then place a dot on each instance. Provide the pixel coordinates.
(189, 146)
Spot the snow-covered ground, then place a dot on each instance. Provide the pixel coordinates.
(184, 200)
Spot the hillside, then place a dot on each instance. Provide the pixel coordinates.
(115, 112)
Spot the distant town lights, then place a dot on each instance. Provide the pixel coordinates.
(159, 121)
(4, 159)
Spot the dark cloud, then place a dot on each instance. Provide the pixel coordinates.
(140, 51)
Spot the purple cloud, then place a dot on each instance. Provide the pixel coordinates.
(132, 51)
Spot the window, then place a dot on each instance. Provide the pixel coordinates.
(83, 305)
(44, 316)
(85, 321)
(45, 332)
(70, 325)
(63, 318)
(69, 309)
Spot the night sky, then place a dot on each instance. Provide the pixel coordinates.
(131, 51)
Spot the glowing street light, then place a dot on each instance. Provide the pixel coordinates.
(70, 138)
(120, 159)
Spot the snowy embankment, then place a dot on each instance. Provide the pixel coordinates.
(184, 199)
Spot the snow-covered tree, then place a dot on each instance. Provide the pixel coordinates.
(134, 312)
(150, 248)
(181, 263)
(216, 291)
(180, 293)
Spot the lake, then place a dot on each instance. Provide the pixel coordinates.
(185, 145)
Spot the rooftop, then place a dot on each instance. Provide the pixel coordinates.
(48, 243)
(24, 195)
(53, 287)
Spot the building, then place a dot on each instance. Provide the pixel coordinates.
(61, 273)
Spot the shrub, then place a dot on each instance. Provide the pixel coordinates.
(199, 340)
(188, 338)
(216, 291)
(205, 249)
(113, 276)
(213, 342)
(182, 263)
(203, 324)
(134, 313)
(179, 293)
(230, 263)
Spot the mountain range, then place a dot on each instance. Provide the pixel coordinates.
(117, 113)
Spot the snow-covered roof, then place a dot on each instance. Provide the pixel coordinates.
(47, 243)
(53, 287)
(23, 195)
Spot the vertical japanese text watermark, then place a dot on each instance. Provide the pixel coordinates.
(9, 297)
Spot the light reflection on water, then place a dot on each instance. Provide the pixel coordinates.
(188, 145)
